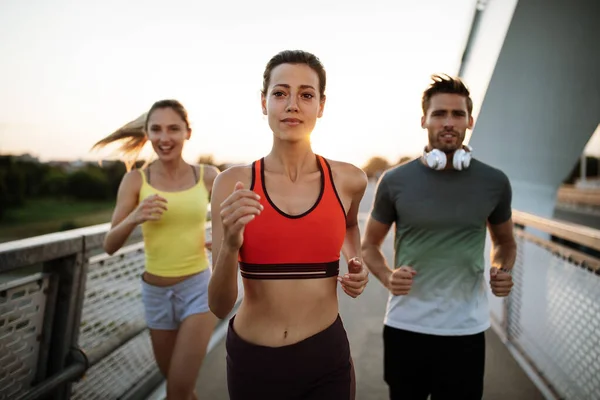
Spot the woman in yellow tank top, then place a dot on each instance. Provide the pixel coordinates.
(169, 199)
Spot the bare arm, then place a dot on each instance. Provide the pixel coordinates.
(504, 253)
(373, 257)
(504, 247)
(351, 183)
(351, 246)
(232, 207)
(222, 288)
(399, 280)
(128, 213)
(500, 225)
(210, 174)
(121, 226)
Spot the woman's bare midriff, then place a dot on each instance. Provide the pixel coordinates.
(163, 281)
(283, 312)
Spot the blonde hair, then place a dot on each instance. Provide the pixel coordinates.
(133, 135)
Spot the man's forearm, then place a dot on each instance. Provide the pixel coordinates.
(504, 255)
(375, 261)
(351, 246)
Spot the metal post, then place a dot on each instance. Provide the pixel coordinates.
(67, 315)
(45, 337)
(512, 303)
(582, 169)
(479, 9)
(77, 365)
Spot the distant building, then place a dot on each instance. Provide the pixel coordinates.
(68, 166)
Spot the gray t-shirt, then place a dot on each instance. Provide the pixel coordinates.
(440, 219)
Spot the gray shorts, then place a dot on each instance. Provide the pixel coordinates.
(166, 307)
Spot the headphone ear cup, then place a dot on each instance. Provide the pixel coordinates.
(457, 159)
(466, 160)
(429, 159)
(436, 159)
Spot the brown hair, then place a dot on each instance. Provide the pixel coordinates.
(295, 57)
(133, 134)
(446, 84)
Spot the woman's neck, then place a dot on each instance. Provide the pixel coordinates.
(172, 168)
(291, 159)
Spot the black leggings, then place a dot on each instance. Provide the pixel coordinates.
(446, 367)
(316, 368)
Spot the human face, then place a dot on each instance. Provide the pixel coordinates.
(447, 120)
(167, 132)
(292, 102)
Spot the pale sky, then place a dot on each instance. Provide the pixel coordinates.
(74, 71)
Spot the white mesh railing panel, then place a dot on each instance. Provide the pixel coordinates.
(113, 308)
(22, 308)
(117, 373)
(554, 320)
(112, 296)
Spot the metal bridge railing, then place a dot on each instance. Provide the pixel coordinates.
(112, 328)
(551, 320)
(71, 319)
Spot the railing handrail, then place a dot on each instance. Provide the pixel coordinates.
(38, 249)
(64, 257)
(580, 234)
(572, 194)
(24, 252)
(574, 256)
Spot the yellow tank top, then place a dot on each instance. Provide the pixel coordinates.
(174, 245)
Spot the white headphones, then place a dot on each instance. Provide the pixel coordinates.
(436, 159)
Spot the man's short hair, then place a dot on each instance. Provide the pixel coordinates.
(446, 84)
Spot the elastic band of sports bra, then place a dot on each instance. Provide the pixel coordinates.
(290, 271)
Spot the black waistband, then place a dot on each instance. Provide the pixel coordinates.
(290, 271)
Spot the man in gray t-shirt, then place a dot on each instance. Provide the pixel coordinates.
(441, 205)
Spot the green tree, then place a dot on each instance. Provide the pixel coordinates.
(207, 159)
(404, 159)
(13, 183)
(54, 183)
(375, 166)
(89, 184)
(34, 174)
(210, 160)
(114, 172)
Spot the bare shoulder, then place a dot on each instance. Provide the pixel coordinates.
(129, 189)
(210, 171)
(349, 175)
(209, 174)
(132, 180)
(226, 180)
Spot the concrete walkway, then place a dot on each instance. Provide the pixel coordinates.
(504, 378)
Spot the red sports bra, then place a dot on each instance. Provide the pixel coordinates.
(281, 246)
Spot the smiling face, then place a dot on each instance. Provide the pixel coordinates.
(292, 101)
(167, 131)
(447, 119)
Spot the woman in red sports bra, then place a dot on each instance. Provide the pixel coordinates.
(285, 219)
